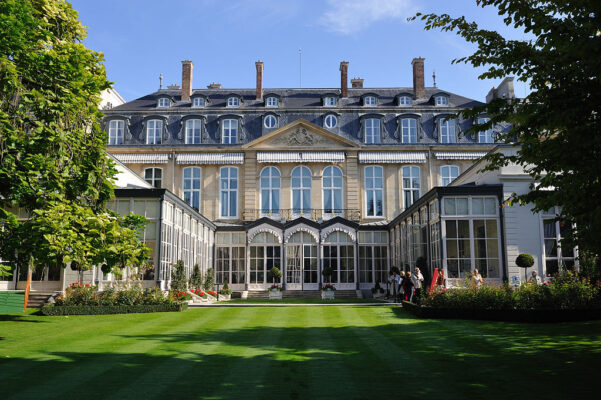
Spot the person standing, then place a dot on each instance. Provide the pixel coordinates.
(418, 280)
(396, 280)
(408, 286)
(476, 279)
(440, 280)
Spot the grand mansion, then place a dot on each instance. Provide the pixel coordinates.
(354, 178)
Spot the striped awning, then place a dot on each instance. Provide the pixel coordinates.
(391, 157)
(455, 155)
(154, 158)
(301, 157)
(210, 158)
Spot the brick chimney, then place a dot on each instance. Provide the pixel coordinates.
(357, 83)
(187, 67)
(419, 86)
(344, 79)
(259, 65)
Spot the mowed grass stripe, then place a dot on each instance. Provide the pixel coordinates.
(93, 372)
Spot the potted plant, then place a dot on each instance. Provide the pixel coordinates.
(377, 291)
(275, 291)
(327, 291)
(225, 293)
(525, 261)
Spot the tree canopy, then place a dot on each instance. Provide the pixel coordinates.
(54, 171)
(557, 125)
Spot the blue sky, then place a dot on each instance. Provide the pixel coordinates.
(144, 38)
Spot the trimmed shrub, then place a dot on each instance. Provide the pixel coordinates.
(52, 310)
(209, 279)
(179, 282)
(225, 290)
(196, 278)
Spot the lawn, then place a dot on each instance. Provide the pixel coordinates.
(294, 300)
(345, 352)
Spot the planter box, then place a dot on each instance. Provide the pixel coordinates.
(275, 295)
(503, 315)
(221, 297)
(378, 295)
(328, 294)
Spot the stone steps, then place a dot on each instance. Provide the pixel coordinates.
(302, 294)
(38, 299)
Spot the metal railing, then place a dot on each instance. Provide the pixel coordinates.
(315, 214)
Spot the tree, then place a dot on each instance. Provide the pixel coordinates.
(557, 125)
(327, 273)
(196, 278)
(209, 279)
(525, 261)
(178, 280)
(53, 165)
(275, 273)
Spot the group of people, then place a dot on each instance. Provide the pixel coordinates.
(405, 285)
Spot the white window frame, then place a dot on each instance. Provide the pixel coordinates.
(227, 127)
(329, 101)
(195, 176)
(327, 121)
(333, 188)
(559, 257)
(302, 207)
(486, 136)
(372, 130)
(163, 102)
(191, 126)
(371, 192)
(273, 121)
(271, 189)
(370, 101)
(116, 132)
(272, 101)
(233, 101)
(229, 191)
(198, 102)
(404, 101)
(447, 175)
(156, 127)
(447, 130)
(153, 179)
(408, 132)
(441, 100)
(411, 189)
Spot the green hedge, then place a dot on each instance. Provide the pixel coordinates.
(101, 310)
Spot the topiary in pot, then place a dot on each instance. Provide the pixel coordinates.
(196, 278)
(327, 273)
(525, 261)
(178, 280)
(209, 279)
(274, 273)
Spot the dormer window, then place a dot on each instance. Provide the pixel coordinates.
(229, 132)
(198, 102)
(329, 101)
(369, 101)
(486, 136)
(404, 101)
(270, 121)
(447, 131)
(372, 130)
(154, 131)
(441, 100)
(233, 102)
(330, 121)
(163, 102)
(272, 102)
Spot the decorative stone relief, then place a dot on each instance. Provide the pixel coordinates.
(338, 228)
(262, 229)
(300, 137)
(301, 228)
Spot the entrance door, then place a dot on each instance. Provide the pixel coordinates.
(301, 262)
(294, 263)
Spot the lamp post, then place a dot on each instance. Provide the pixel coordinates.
(217, 290)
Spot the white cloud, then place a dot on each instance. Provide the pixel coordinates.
(350, 16)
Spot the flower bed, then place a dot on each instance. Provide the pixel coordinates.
(200, 293)
(211, 292)
(328, 286)
(275, 287)
(181, 296)
(52, 310)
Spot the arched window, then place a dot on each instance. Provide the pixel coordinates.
(116, 132)
(301, 262)
(374, 191)
(339, 255)
(193, 130)
(301, 190)
(330, 121)
(270, 191)
(332, 191)
(265, 253)
(448, 173)
(270, 121)
(154, 176)
(191, 186)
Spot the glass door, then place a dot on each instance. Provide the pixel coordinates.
(293, 267)
(310, 270)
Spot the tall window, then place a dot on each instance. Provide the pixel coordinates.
(448, 173)
(233, 102)
(193, 128)
(270, 191)
(265, 253)
(228, 192)
(230, 131)
(331, 121)
(154, 130)
(409, 130)
(191, 185)
(372, 130)
(374, 191)
(230, 253)
(198, 102)
(487, 135)
(301, 190)
(338, 254)
(411, 185)
(447, 131)
(332, 190)
(556, 256)
(116, 132)
(373, 257)
(369, 101)
(154, 176)
(272, 102)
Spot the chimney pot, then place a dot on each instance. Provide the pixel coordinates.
(419, 86)
(214, 86)
(344, 79)
(259, 65)
(357, 83)
(187, 67)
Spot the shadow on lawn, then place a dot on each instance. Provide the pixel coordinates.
(19, 318)
(422, 358)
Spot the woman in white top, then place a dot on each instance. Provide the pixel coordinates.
(476, 279)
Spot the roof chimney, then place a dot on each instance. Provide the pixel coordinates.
(419, 87)
(187, 67)
(344, 79)
(259, 65)
(214, 86)
(357, 83)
